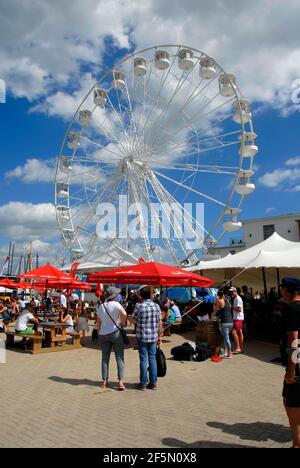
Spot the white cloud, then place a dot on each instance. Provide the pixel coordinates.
(34, 170)
(280, 177)
(42, 252)
(270, 210)
(28, 222)
(284, 178)
(56, 38)
(293, 161)
(63, 104)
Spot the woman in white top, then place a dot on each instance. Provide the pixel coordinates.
(66, 318)
(110, 337)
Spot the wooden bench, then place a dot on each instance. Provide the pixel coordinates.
(175, 326)
(75, 339)
(36, 340)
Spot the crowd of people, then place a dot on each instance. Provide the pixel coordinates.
(70, 309)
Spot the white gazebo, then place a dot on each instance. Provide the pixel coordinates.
(112, 257)
(262, 264)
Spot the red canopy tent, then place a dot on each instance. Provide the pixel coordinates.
(47, 273)
(150, 273)
(7, 283)
(24, 285)
(70, 284)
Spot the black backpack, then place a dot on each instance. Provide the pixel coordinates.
(184, 352)
(202, 351)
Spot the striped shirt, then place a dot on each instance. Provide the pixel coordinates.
(147, 316)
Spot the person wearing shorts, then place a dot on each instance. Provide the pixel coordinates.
(238, 324)
(290, 290)
(23, 320)
(238, 320)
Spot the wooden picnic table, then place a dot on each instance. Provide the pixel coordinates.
(54, 333)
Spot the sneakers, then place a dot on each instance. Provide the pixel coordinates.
(216, 359)
(149, 386)
(141, 386)
(152, 386)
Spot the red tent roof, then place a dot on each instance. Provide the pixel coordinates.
(150, 273)
(24, 285)
(48, 273)
(63, 284)
(7, 283)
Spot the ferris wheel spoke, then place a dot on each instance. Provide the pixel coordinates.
(189, 188)
(169, 139)
(201, 167)
(196, 170)
(163, 203)
(167, 200)
(180, 83)
(173, 199)
(120, 155)
(121, 121)
(143, 102)
(146, 197)
(109, 135)
(132, 118)
(143, 222)
(205, 140)
(200, 117)
(200, 92)
(195, 151)
(158, 96)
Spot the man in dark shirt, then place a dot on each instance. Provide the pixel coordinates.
(290, 289)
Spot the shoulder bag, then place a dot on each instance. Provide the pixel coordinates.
(121, 330)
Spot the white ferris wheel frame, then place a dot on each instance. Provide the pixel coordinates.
(73, 242)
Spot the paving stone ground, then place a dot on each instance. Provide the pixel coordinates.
(54, 400)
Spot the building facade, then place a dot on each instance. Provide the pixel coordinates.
(258, 230)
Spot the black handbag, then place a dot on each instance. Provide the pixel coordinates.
(161, 363)
(121, 330)
(95, 335)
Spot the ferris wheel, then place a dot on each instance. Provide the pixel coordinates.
(165, 126)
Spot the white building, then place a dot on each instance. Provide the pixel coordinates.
(257, 230)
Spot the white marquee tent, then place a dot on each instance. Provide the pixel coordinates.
(5, 290)
(112, 257)
(276, 257)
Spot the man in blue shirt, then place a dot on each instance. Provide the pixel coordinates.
(147, 316)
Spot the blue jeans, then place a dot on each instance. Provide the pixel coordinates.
(226, 329)
(147, 351)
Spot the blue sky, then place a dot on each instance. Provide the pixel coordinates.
(53, 64)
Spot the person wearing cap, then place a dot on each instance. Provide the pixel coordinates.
(238, 320)
(290, 290)
(110, 317)
(147, 316)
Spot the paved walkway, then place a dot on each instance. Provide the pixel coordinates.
(54, 400)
